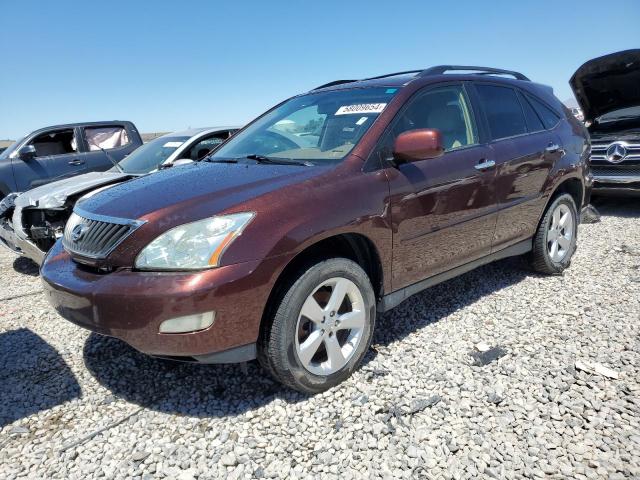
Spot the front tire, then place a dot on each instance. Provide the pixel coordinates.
(555, 241)
(321, 327)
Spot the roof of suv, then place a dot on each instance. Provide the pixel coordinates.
(400, 79)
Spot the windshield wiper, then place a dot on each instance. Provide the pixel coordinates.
(111, 159)
(277, 161)
(218, 160)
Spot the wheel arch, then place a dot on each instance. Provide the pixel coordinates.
(354, 246)
(572, 186)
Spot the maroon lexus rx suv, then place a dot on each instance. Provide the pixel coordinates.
(331, 207)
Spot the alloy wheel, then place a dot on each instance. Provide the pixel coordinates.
(330, 326)
(560, 232)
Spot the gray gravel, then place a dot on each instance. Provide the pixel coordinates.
(426, 403)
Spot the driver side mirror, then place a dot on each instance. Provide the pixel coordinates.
(28, 152)
(420, 144)
(181, 161)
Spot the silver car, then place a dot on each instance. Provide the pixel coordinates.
(32, 221)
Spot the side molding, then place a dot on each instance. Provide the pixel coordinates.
(394, 299)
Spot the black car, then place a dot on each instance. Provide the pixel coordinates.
(62, 151)
(608, 90)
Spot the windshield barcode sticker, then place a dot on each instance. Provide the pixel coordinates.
(361, 108)
(172, 144)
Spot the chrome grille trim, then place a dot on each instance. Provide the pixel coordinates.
(599, 150)
(102, 233)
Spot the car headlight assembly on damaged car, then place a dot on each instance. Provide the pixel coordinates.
(193, 246)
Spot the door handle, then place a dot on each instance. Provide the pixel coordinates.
(76, 162)
(552, 148)
(485, 165)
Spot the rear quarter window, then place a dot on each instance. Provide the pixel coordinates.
(534, 123)
(549, 117)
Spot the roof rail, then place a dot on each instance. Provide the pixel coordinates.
(441, 69)
(340, 82)
(438, 70)
(335, 82)
(393, 74)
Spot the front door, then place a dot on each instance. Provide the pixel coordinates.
(57, 156)
(442, 209)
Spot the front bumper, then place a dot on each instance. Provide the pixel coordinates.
(18, 245)
(617, 185)
(131, 305)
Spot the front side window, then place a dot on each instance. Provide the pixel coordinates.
(202, 148)
(104, 138)
(503, 111)
(320, 128)
(151, 155)
(445, 109)
(58, 142)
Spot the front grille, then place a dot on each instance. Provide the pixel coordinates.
(95, 236)
(603, 171)
(599, 149)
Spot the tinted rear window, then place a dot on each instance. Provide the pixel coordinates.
(548, 116)
(503, 111)
(534, 124)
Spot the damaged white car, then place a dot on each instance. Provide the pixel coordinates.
(32, 221)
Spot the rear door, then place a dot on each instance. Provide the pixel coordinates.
(57, 157)
(443, 209)
(105, 144)
(524, 152)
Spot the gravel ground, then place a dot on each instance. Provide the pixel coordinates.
(425, 404)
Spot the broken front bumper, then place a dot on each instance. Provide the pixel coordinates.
(20, 246)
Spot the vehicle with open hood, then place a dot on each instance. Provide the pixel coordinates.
(64, 151)
(608, 90)
(31, 222)
(332, 206)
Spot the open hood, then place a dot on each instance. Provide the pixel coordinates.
(55, 194)
(608, 83)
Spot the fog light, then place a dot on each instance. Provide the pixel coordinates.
(188, 323)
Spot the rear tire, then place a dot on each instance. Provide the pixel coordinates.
(555, 241)
(321, 326)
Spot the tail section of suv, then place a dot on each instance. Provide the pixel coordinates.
(607, 89)
(62, 151)
(331, 207)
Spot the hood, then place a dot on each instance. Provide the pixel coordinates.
(55, 194)
(203, 186)
(608, 83)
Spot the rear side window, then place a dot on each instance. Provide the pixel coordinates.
(104, 138)
(503, 111)
(534, 124)
(548, 116)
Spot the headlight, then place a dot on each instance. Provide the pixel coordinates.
(194, 245)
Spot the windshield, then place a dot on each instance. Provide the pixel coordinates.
(629, 112)
(151, 155)
(318, 127)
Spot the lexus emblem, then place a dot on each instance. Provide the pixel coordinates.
(616, 152)
(78, 231)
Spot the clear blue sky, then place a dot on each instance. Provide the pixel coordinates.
(170, 65)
